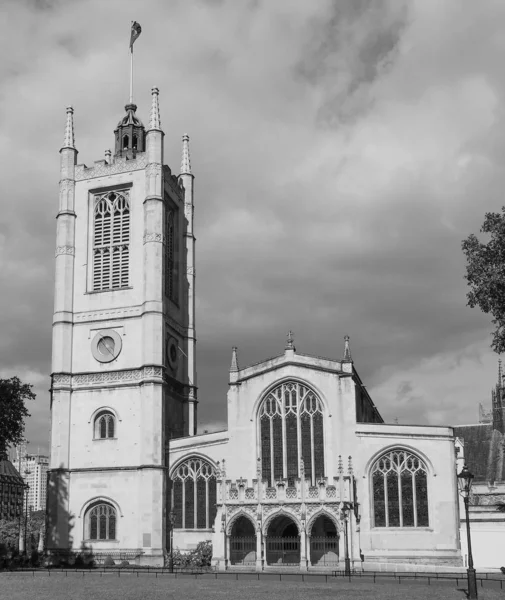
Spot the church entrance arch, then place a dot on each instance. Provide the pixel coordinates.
(243, 542)
(323, 542)
(283, 542)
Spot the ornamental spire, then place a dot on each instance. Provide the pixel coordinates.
(185, 160)
(347, 349)
(154, 121)
(69, 141)
(234, 360)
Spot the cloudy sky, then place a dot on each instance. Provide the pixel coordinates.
(342, 151)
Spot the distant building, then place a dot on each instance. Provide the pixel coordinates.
(33, 469)
(482, 447)
(11, 491)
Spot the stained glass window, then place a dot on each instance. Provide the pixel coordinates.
(101, 522)
(194, 494)
(291, 431)
(104, 425)
(400, 490)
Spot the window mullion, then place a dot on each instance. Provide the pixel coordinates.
(284, 445)
(183, 503)
(400, 498)
(386, 505)
(312, 457)
(414, 497)
(271, 451)
(207, 525)
(195, 497)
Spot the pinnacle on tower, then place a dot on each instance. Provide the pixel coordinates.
(185, 161)
(347, 349)
(69, 141)
(154, 121)
(234, 360)
(290, 341)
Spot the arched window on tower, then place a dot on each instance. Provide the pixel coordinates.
(194, 494)
(170, 283)
(105, 425)
(291, 430)
(126, 141)
(400, 490)
(100, 522)
(111, 241)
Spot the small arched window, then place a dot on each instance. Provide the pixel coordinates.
(126, 141)
(134, 145)
(400, 490)
(100, 522)
(291, 431)
(105, 425)
(194, 494)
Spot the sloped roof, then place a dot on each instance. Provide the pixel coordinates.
(484, 451)
(8, 470)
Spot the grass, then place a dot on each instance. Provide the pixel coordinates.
(92, 586)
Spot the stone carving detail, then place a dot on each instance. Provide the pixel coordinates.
(154, 237)
(153, 169)
(291, 493)
(118, 313)
(249, 494)
(331, 491)
(271, 493)
(120, 165)
(233, 494)
(65, 250)
(61, 379)
(117, 376)
(313, 492)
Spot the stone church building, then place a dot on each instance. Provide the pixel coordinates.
(307, 473)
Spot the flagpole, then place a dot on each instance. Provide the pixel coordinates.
(131, 74)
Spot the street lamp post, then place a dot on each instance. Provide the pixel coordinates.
(465, 479)
(171, 518)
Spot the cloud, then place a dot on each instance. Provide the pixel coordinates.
(342, 151)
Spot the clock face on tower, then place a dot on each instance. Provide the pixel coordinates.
(106, 345)
(172, 352)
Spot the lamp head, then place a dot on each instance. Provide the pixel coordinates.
(465, 480)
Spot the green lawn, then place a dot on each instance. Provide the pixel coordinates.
(92, 586)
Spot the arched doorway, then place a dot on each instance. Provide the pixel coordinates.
(323, 542)
(243, 542)
(283, 542)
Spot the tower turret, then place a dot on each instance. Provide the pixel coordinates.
(130, 134)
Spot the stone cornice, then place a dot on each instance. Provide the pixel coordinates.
(102, 169)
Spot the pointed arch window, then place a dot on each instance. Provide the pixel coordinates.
(105, 425)
(400, 490)
(194, 494)
(170, 286)
(100, 522)
(291, 431)
(111, 241)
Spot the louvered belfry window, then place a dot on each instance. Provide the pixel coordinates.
(169, 256)
(291, 431)
(111, 241)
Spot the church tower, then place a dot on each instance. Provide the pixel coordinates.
(123, 357)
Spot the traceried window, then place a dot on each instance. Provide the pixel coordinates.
(100, 522)
(111, 242)
(105, 425)
(170, 256)
(400, 490)
(194, 494)
(291, 430)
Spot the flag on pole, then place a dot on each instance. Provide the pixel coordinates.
(136, 31)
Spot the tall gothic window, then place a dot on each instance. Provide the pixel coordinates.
(400, 490)
(170, 256)
(104, 425)
(111, 243)
(100, 522)
(194, 494)
(291, 430)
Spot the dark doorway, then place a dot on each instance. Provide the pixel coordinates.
(323, 543)
(243, 542)
(283, 542)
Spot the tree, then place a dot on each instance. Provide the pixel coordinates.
(13, 395)
(485, 274)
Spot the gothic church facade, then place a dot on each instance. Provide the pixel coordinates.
(307, 474)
